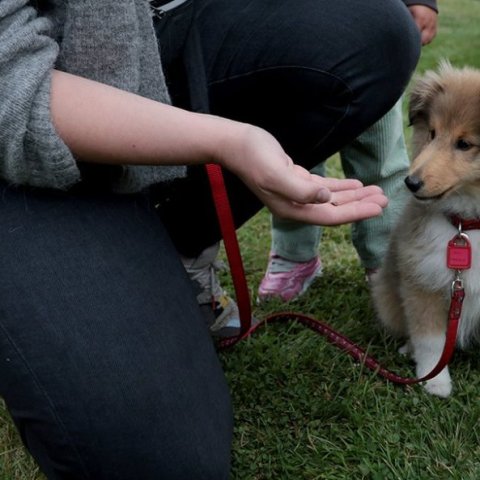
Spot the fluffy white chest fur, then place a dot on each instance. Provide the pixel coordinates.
(429, 262)
(412, 291)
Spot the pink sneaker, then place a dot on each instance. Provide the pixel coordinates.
(286, 279)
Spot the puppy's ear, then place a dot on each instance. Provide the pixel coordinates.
(423, 93)
(424, 90)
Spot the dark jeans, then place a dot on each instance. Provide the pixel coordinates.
(315, 73)
(105, 363)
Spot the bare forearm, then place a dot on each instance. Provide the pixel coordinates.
(103, 124)
(106, 125)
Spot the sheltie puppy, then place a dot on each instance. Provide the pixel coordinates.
(412, 290)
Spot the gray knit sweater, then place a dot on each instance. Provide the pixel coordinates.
(111, 41)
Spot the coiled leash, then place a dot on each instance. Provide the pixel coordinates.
(458, 259)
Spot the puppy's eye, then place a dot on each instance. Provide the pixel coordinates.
(432, 134)
(463, 145)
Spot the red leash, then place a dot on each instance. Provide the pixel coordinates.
(232, 249)
(458, 257)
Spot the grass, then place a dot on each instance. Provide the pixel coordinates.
(306, 411)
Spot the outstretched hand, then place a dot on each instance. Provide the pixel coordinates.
(290, 191)
(318, 200)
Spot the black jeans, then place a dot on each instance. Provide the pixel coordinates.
(315, 73)
(105, 363)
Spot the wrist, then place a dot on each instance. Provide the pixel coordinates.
(231, 138)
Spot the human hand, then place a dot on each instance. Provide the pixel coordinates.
(426, 20)
(290, 191)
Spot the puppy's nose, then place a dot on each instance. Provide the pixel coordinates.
(413, 183)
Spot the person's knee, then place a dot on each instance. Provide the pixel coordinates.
(385, 61)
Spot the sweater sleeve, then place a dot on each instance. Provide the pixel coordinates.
(428, 3)
(31, 152)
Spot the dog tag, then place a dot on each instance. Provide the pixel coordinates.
(459, 253)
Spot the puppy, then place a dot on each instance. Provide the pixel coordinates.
(412, 290)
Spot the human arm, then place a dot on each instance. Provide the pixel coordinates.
(96, 123)
(103, 124)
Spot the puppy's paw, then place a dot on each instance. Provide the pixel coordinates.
(426, 352)
(439, 387)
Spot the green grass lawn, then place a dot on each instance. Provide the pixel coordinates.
(304, 410)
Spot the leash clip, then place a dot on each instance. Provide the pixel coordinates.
(461, 235)
(460, 228)
(457, 284)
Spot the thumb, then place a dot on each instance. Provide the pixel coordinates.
(302, 187)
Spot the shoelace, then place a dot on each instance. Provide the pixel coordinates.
(206, 277)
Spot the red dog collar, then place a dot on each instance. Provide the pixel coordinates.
(465, 223)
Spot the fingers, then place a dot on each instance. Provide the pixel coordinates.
(323, 196)
(330, 215)
(428, 35)
(320, 190)
(337, 184)
(305, 198)
(302, 187)
(297, 185)
(351, 212)
(348, 206)
(365, 193)
(289, 190)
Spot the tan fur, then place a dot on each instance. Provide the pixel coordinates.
(447, 103)
(411, 293)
